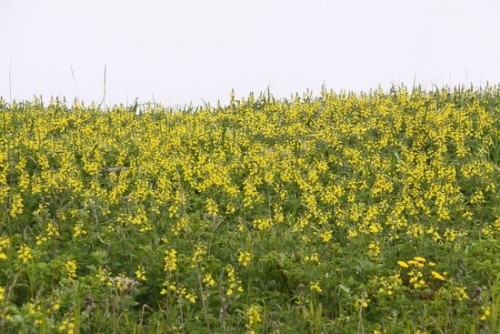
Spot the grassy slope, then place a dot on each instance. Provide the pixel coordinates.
(342, 213)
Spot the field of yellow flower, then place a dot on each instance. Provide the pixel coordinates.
(337, 213)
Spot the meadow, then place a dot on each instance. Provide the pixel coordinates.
(344, 212)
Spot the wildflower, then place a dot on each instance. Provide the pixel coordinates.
(312, 258)
(362, 302)
(170, 260)
(198, 255)
(437, 276)
(262, 224)
(17, 206)
(403, 264)
(486, 312)
(253, 316)
(417, 279)
(326, 236)
(374, 228)
(374, 250)
(415, 263)
(351, 233)
(234, 283)
(56, 305)
(51, 230)
(24, 253)
(190, 298)
(315, 287)
(4, 243)
(477, 197)
(140, 274)
(78, 230)
(211, 207)
(40, 239)
(71, 267)
(67, 326)
(461, 294)
(179, 226)
(102, 275)
(244, 258)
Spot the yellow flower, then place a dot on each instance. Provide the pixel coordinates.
(140, 273)
(244, 258)
(486, 312)
(362, 302)
(24, 253)
(415, 263)
(4, 243)
(312, 258)
(67, 326)
(51, 230)
(374, 228)
(190, 298)
(373, 250)
(102, 274)
(208, 280)
(315, 287)
(198, 255)
(403, 264)
(17, 206)
(211, 207)
(78, 230)
(170, 260)
(71, 267)
(438, 276)
(253, 316)
(326, 236)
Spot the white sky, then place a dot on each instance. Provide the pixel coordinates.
(198, 50)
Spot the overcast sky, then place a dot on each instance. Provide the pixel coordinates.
(182, 51)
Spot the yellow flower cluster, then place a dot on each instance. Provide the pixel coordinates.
(180, 290)
(170, 260)
(209, 280)
(25, 254)
(374, 250)
(4, 245)
(253, 314)
(71, 267)
(244, 258)
(486, 312)
(234, 284)
(199, 253)
(67, 326)
(417, 269)
(140, 274)
(78, 230)
(315, 258)
(388, 285)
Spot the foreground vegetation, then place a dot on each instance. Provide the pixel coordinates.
(343, 213)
